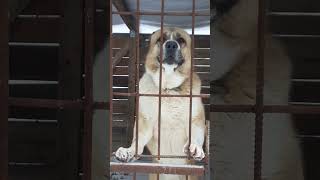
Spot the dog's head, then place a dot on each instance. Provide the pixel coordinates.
(176, 51)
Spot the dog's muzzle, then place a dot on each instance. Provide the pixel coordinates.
(172, 54)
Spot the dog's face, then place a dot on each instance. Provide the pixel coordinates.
(176, 48)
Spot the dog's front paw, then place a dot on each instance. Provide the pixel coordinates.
(194, 151)
(124, 154)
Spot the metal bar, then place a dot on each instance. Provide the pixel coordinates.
(160, 95)
(160, 79)
(259, 90)
(110, 83)
(156, 168)
(78, 104)
(137, 75)
(191, 73)
(295, 35)
(4, 89)
(204, 160)
(151, 13)
(45, 103)
(308, 14)
(88, 84)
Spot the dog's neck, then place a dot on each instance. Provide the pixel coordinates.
(172, 79)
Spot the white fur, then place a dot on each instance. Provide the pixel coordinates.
(170, 78)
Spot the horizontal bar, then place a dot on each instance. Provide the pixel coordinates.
(305, 103)
(34, 44)
(314, 14)
(306, 80)
(295, 35)
(45, 103)
(294, 109)
(313, 108)
(155, 168)
(150, 13)
(160, 95)
(31, 82)
(204, 160)
(35, 16)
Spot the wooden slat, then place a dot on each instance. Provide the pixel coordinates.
(36, 63)
(36, 30)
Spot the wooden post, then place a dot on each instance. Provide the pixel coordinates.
(4, 75)
(70, 70)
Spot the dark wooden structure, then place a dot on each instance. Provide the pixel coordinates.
(46, 139)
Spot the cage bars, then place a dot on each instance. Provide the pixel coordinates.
(84, 104)
(4, 89)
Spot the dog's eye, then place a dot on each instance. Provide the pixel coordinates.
(181, 41)
(159, 39)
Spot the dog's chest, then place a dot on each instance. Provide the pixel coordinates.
(174, 110)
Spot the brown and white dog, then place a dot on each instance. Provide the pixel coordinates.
(234, 70)
(176, 69)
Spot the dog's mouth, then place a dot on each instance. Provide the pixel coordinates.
(175, 62)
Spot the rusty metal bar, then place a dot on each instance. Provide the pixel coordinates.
(161, 13)
(204, 160)
(156, 168)
(4, 89)
(138, 75)
(110, 83)
(191, 73)
(160, 95)
(259, 90)
(160, 80)
(79, 104)
(88, 84)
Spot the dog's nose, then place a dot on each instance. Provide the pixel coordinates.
(171, 45)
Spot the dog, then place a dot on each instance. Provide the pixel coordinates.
(233, 76)
(176, 77)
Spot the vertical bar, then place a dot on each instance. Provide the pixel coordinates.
(137, 73)
(110, 82)
(70, 85)
(191, 72)
(160, 83)
(88, 83)
(4, 91)
(259, 91)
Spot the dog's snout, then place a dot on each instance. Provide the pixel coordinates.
(171, 45)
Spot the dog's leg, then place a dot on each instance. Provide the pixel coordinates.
(144, 136)
(197, 138)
